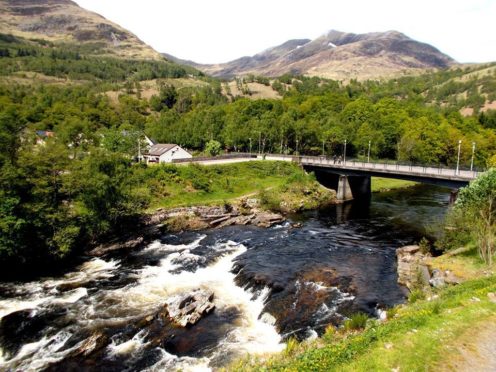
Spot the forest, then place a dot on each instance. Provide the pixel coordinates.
(60, 193)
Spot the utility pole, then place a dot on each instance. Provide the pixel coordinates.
(458, 160)
(344, 153)
(323, 144)
(368, 154)
(297, 153)
(259, 142)
(250, 144)
(473, 153)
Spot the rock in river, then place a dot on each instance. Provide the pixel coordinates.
(190, 308)
(412, 270)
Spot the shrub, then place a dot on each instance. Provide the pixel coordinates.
(291, 346)
(213, 148)
(436, 308)
(392, 312)
(330, 333)
(415, 295)
(475, 210)
(357, 321)
(424, 245)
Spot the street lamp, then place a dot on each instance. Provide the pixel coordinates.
(368, 154)
(473, 153)
(458, 160)
(344, 154)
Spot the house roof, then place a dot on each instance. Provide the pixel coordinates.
(151, 140)
(160, 148)
(45, 133)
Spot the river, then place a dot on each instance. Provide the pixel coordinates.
(268, 284)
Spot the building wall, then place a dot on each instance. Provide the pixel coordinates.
(175, 153)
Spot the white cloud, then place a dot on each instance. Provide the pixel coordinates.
(222, 30)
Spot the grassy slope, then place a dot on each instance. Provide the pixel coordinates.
(225, 182)
(231, 181)
(381, 184)
(422, 336)
(466, 264)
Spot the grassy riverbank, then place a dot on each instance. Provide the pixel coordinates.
(282, 186)
(385, 184)
(431, 333)
(172, 186)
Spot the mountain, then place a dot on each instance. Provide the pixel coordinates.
(65, 21)
(338, 55)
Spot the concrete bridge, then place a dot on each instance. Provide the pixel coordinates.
(351, 179)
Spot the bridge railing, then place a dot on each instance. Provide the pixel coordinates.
(358, 164)
(387, 167)
(235, 155)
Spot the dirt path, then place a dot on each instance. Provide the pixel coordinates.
(476, 350)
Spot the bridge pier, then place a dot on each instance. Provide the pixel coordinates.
(343, 193)
(347, 187)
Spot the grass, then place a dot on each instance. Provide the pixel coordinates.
(465, 264)
(385, 184)
(298, 193)
(177, 186)
(357, 321)
(421, 336)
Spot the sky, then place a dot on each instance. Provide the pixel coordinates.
(216, 31)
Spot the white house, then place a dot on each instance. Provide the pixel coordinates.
(165, 153)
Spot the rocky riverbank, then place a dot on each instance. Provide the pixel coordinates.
(246, 211)
(416, 270)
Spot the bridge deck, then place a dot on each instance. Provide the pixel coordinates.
(385, 169)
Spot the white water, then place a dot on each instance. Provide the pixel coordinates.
(154, 286)
(252, 335)
(35, 294)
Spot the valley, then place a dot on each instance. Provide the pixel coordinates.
(117, 254)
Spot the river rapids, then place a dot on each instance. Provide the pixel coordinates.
(268, 284)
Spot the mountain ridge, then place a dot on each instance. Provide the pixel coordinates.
(65, 21)
(338, 55)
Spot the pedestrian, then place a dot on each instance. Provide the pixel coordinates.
(334, 159)
(340, 159)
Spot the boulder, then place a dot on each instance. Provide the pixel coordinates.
(437, 280)
(492, 297)
(125, 245)
(267, 219)
(189, 308)
(412, 270)
(252, 203)
(451, 278)
(95, 342)
(442, 278)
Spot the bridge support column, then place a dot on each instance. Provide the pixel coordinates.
(344, 190)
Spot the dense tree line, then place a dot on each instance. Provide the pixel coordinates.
(312, 116)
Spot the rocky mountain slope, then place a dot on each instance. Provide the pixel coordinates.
(65, 21)
(338, 55)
